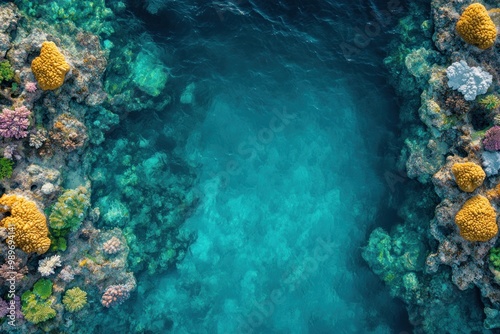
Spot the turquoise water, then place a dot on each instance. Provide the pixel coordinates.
(291, 145)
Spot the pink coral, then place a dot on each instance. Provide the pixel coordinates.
(112, 246)
(14, 123)
(30, 87)
(491, 139)
(115, 295)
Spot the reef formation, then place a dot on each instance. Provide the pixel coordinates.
(64, 83)
(442, 260)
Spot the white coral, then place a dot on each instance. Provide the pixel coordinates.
(470, 81)
(491, 162)
(46, 266)
(66, 274)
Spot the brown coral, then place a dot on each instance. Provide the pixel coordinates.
(476, 27)
(468, 176)
(50, 67)
(68, 132)
(26, 222)
(477, 219)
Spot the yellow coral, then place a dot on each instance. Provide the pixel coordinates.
(26, 222)
(493, 194)
(477, 219)
(50, 67)
(74, 299)
(476, 27)
(468, 175)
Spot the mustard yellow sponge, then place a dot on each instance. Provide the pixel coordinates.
(477, 220)
(50, 67)
(27, 222)
(476, 27)
(468, 176)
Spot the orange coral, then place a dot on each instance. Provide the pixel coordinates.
(27, 222)
(468, 176)
(50, 67)
(476, 219)
(476, 27)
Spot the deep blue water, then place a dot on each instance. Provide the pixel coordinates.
(291, 142)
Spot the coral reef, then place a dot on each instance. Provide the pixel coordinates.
(50, 67)
(459, 233)
(74, 299)
(70, 209)
(476, 27)
(491, 140)
(14, 123)
(468, 176)
(477, 220)
(112, 246)
(46, 266)
(115, 295)
(27, 222)
(470, 81)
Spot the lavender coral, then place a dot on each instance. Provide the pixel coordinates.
(491, 139)
(14, 123)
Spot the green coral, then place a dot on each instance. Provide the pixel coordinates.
(69, 211)
(36, 306)
(6, 166)
(490, 102)
(6, 71)
(495, 258)
(57, 243)
(43, 288)
(74, 299)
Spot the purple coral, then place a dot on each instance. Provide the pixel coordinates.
(3, 308)
(491, 140)
(14, 123)
(115, 295)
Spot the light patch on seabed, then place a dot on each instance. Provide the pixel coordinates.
(280, 228)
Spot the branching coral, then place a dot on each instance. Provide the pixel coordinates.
(477, 219)
(115, 294)
(14, 123)
(50, 67)
(112, 246)
(476, 27)
(74, 299)
(468, 176)
(36, 309)
(46, 266)
(27, 222)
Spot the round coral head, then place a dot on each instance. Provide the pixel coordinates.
(50, 67)
(476, 27)
(476, 219)
(468, 176)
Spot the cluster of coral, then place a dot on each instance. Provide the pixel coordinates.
(442, 260)
(71, 203)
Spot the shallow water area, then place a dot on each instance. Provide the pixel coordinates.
(289, 146)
